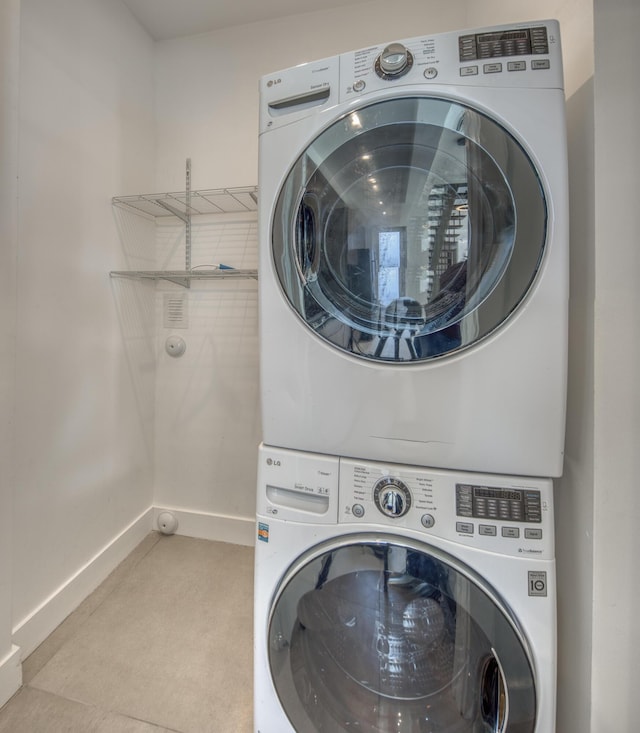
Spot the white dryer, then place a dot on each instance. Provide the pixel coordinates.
(414, 252)
(395, 598)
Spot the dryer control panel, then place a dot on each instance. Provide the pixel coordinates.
(519, 55)
(524, 55)
(498, 513)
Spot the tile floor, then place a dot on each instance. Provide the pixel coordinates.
(164, 644)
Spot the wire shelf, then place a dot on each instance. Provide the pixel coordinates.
(208, 201)
(184, 277)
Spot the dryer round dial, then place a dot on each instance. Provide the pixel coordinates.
(392, 497)
(395, 60)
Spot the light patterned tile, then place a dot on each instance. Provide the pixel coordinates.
(36, 711)
(70, 626)
(171, 644)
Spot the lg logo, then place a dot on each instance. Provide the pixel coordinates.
(271, 462)
(271, 82)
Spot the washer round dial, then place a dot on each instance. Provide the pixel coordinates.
(392, 497)
(395, 60)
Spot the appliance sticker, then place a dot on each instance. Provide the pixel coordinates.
(263, 532)
(537, 583)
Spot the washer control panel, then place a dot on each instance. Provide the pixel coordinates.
(490, 502)
(503, 514)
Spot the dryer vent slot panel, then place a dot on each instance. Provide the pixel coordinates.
(175, 310)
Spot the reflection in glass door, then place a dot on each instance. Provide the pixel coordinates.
(409, 230)
(389, 265)
(377, 634)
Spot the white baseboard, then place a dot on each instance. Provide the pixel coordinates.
(10, 674)
(34, 629)
(205, 526)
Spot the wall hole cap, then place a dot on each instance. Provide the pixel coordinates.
(175, 346)
(167, 523)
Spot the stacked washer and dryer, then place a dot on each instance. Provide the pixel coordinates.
(413, 311)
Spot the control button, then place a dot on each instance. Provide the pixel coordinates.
(540, 64)
(512, 532)
(357, 510)
(539, 41)
(464, 500)
(467, 47)
(517, 66)
(359, 85)
(464, 527)
(427, 520)
(488, 530)
(468, 71)
(533, 534)
(492, 68)
(430, 73)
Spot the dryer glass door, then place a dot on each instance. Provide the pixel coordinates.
(409, 229)
(375, 634)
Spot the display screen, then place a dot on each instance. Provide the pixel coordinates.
(483, 492)
(502, 36)
(497, 44)
(499, 504)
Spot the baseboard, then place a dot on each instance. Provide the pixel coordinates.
(10, 674)
(205, 526)
(34, 629)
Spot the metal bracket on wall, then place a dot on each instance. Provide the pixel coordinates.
(185, 216)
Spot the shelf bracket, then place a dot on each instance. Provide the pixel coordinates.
(173, 210)
(184, 216)
(187, 246)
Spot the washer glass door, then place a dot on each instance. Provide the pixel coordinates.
(409, 229)
(377, 634)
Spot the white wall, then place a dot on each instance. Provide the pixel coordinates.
(574, 492)
(83, 470)
(616, 598)
(10, 675)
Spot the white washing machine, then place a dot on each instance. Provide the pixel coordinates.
(396, 598)
(414, 252)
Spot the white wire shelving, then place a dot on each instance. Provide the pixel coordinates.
(184, 205)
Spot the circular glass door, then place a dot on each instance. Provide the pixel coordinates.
(375, 634)
(409, 229)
